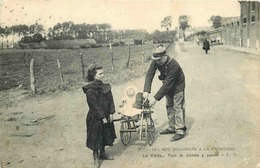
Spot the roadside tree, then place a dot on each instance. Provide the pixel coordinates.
(184, 23)
(216, 21)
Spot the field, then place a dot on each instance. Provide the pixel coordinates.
(15, 68)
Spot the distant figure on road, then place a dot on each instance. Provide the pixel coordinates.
(173, 87)
(206, 46)
(99, 121)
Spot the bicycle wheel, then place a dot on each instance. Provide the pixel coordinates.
(125, 135)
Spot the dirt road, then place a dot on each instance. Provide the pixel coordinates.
(222, 101)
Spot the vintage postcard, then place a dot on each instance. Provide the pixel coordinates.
(129, 83)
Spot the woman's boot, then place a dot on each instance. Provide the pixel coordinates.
(96, 159)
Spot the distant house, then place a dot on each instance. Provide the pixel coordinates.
(192, 33)
(215, 35)
(10, 40)
(250, 27)
(230, 31)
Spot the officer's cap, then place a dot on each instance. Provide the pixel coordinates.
(158, 52)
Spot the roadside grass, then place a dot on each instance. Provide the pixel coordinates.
(15, 67)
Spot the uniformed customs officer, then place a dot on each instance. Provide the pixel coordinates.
(173, 87)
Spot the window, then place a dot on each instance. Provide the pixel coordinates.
(244, 21)
(253, 6)
(253, 19)
(238, 23)
(232, 24)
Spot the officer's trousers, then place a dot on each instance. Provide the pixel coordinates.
(175, 105)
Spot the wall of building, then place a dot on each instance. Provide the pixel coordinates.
(243, 31)
(250, 19)
(230, 32)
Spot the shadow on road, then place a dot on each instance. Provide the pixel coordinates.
(119, 148)
(189, 122)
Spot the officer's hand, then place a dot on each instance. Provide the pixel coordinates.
(145, 96)
(153, 102)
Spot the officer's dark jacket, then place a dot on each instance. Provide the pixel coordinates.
(171, 75)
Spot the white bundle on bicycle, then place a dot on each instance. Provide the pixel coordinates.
(132, 103)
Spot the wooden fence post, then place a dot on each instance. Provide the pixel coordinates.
(129, 55)
(2, 44)
(82, 66)
(32, 75)
(60, 69)
(112, 56)
(112, 60)
(142, 53)
(24, 57)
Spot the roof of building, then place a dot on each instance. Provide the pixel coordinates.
(230, 19)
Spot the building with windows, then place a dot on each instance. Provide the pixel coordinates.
(250, 24)
(230, 31)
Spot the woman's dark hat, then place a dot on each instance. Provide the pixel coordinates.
(158, 52)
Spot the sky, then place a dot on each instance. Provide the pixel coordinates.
(121, 14)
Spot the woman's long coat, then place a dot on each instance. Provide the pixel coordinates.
(101, 105)
(206, 45)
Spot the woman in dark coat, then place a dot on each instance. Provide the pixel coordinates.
(206, 46)
(99, 121)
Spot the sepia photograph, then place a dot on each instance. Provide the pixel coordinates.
(129, 83)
